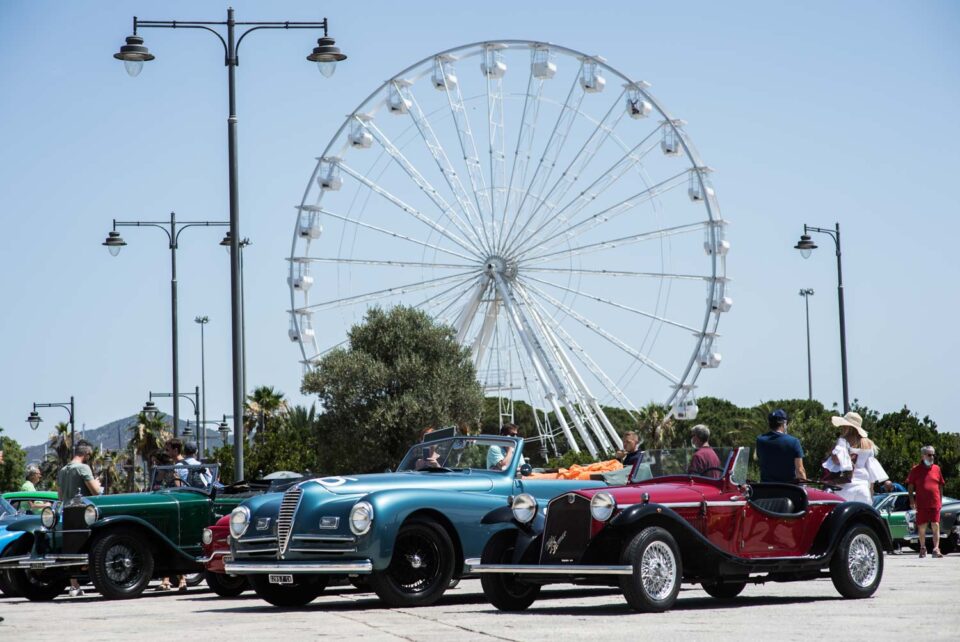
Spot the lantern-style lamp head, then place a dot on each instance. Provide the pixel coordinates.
(133, 54)
(805, 245)
(326, 54)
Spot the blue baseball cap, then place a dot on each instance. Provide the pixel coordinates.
(778, 415)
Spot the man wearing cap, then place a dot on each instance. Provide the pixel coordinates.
(780, 454)
(925, 484)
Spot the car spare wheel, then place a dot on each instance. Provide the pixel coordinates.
(121, 564)
(506, 592)
(288, 590)
(724, 590)
(226, 585)
(657, 570)
(421, 567)
(857, 564)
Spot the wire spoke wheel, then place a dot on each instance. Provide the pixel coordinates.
(543, 204)
(123, 565)
(862, 560)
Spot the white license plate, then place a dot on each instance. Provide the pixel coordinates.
(280, 579)
(37, 566)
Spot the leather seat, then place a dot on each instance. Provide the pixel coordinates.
(782, 505)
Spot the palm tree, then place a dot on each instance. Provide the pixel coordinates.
(147, 437)
(656, 424)
(262, 406)
(59, 452)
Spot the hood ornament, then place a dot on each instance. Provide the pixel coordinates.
(553, 544)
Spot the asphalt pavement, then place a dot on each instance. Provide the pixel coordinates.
(918, 599)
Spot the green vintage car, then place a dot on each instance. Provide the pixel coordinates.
(30, 502)
(893, 507)
(123, 541)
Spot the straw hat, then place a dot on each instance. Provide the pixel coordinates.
(851, 419)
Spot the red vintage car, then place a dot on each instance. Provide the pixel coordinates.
(215, 546)
(682, 519)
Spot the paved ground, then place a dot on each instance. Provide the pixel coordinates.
(918, 599)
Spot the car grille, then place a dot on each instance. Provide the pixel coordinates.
(75, 529)
(288, 510)
(567, 531)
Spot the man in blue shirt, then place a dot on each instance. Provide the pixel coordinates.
(780, 454)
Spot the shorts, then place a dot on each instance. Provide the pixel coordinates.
(928, 515)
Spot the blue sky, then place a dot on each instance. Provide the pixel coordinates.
(809, 113)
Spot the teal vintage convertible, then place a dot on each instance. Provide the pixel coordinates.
(407, 534)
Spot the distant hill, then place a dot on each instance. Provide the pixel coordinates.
(116, 435)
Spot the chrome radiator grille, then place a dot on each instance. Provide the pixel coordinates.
(288, 510)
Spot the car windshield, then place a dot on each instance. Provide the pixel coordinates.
(456, 453)
(699, 462)
(6, 508)
(879, 499)
(199, 477)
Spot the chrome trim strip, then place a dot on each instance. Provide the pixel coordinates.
(552, 569)
(727, 503)
(680, 504)
(323, 550)
(257, 540)
(48, 561)
(293, 568)
(325, 538)
(471, 561)
(257, 551)
(821, 502)
(204, 560)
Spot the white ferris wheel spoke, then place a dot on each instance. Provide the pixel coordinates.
(382, 262)
(397, 235)
(439, 154)
(528, 127)
(595, 327)
(625, 240)
(394, 152)
(629, 273)
(384, 293)
(607, 179)
(498, 177)
(412, 211)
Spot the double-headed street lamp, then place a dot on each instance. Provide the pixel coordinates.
(326, 54)
(34, 418)
(114, 243)
(150, 409)
(806, 247)
(806, 293)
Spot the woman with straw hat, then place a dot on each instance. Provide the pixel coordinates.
(866, 469)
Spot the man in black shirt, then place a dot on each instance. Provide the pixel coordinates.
(630, 452)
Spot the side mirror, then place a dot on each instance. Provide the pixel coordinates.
(525, 470)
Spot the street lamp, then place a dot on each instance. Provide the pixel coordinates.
(150, 410)
(326, 54)
(227, 242)
(224, 430)
(114, 242)
(194, 399)
(806, 293)
(34, 418)
(806, 247)
(202, 321)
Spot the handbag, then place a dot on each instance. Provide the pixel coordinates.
(843, 477)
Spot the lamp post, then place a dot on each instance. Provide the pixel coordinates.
(806, 293)
(227, 243)
(202, 321)
(114, 243)
(326, 54)
(150, 409)
(806, 247)
(34, 418)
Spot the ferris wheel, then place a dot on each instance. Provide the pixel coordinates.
(543, 204)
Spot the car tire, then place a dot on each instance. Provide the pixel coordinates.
(505, 591)
(121, 564)
(305, 589)
(226, 585)
(7, 586)
(195, 579)
(724, 590)
(41, 586)
(948, 545)
(421, 568)
(657, 570)
(857, 564)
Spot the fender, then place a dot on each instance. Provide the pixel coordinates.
(8, 539)
(527, 534)
(120, 520)
(833, 527)
(659, 513)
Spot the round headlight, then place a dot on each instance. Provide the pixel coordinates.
(602, 506)
(361, 518)
(90, 515)
(47, 517)
(239, 521)
(207, 537)
(524, 508)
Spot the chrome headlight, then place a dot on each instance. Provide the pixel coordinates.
(90, 515)
(524, 508)
(239, 521)
(602, 506)
(361, 518)
(47, 517)
(207, 537)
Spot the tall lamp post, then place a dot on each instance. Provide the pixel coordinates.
(806, 246)
(202, 321)
(150, 409)
(806, 293)
(227, 243)
(326, 54)
(114, 243)
(34, 418)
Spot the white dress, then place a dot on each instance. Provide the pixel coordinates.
(866, 471)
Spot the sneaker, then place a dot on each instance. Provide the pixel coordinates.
(76, 592)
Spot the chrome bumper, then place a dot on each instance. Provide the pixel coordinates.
(53, 560)
(551, 569)
(360, 567)
(211, 557)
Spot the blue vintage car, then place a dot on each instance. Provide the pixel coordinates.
(13, 527)
(407, 533)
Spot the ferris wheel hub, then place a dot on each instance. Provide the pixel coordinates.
(498, 265)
